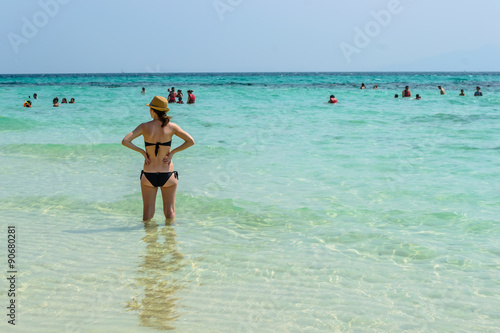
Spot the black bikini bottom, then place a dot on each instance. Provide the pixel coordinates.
(158, 179)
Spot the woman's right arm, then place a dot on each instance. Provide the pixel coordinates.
(127, 142)
(188, 142)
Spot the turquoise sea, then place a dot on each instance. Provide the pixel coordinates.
(293, 215)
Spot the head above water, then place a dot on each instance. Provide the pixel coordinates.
(396, 96)
(407, 87)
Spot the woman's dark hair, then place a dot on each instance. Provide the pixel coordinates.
(163, 117)
(55, 100)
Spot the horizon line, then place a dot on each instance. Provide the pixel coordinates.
(247, 72)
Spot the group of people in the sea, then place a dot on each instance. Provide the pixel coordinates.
(55, 101)
(27, 104)
(407, 93)
(176, 97)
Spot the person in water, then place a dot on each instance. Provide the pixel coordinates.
(55, 102)
(478, 92)
(375, 87)
(172, 95)
(143, 90)
(362, 86)
(332, 100)
(64, 101)
(179, 97)
(461, 93)
(418, 97)
(396, 96)
(158, 170)
(191, 97)
(72, 101)
(441, 90)
(35, 96)
(27, 104)
(407, 92)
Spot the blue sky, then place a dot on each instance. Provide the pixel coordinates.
(76, 36)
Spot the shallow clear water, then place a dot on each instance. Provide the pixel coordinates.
(374, 214)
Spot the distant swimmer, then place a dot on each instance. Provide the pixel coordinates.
(55, 101)
(72, 101)
(143, 90)
(396, 96)
(375, 87)
(179, 97)
(462, 93)
(64, 101)
(418, 97)
(441, 90)
(478, 92)
(191, 97)
(172, 95)
(362, 86)
(332, 100)
(406, 92)
(35, 96)
(27, 104)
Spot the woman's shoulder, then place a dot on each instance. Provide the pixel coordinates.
(172, 125)
(146, 124)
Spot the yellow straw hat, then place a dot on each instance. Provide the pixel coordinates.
(159, 103)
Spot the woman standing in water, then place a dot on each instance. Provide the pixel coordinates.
(158, 167)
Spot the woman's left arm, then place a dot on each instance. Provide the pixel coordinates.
(127, 142)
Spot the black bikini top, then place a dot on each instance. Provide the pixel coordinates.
(158, 144)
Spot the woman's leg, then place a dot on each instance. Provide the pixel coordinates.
(168, 194)
(148, 199)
